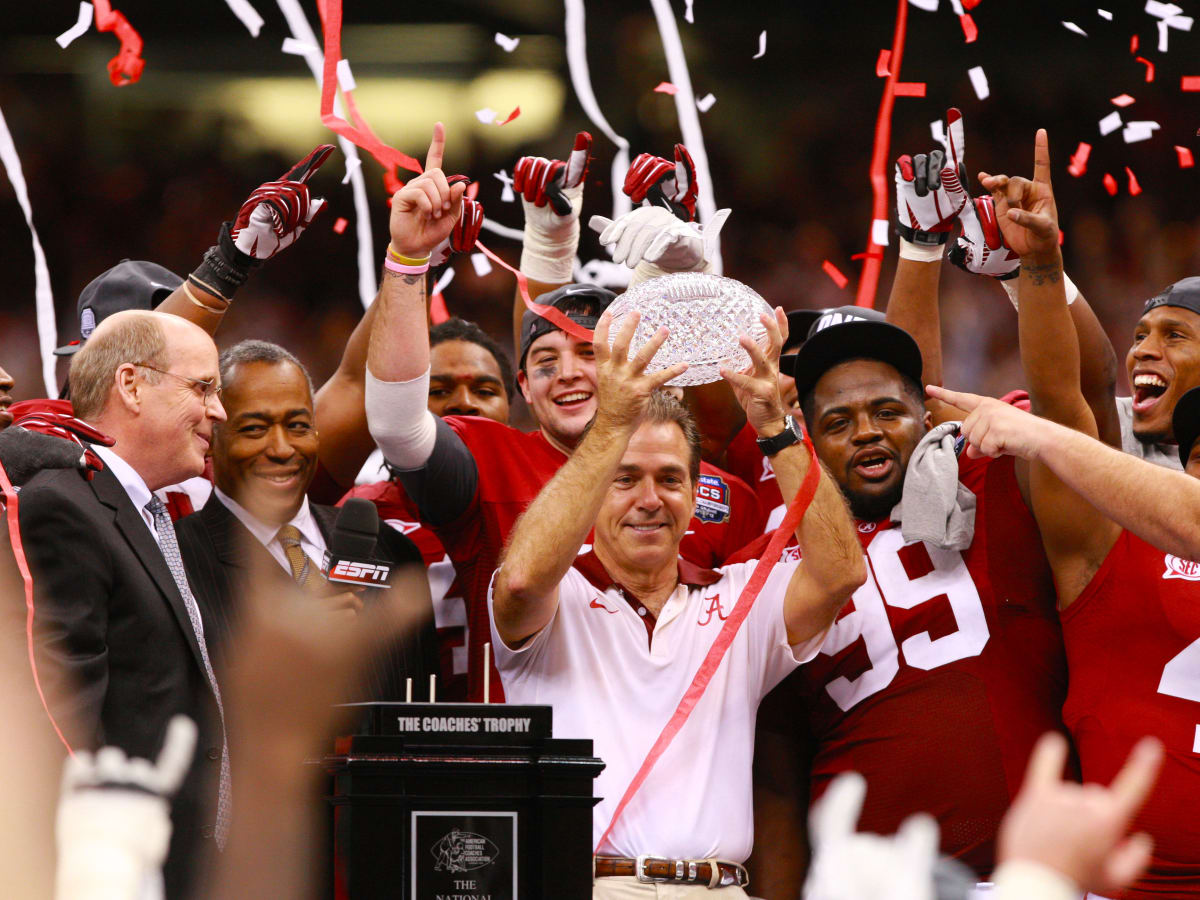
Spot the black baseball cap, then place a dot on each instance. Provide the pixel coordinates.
(799, 321)
(1184, 293)
(851, 332)
(130, 284)
(1185, 422)
(564, 298)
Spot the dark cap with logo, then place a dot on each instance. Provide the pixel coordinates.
(581, 303)
(1184, 293)
(130, 284)
(851, 332)
(1185, 422)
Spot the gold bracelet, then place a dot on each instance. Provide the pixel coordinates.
(396, 256)
(204, 306)
(208, 287)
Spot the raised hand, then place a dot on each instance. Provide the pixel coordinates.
(465, 232)
(757, 386)
(541, 181)
(981, 249)
(660, 182)
(1025, 209)
(995, 428)
(1079, 830)
(623, 385)
(931, 188)
(426, 210)
(277, 212)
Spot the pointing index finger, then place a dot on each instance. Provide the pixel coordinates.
(1041, 157)
(961, 400)
(437, 147)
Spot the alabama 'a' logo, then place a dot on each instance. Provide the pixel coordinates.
(714, 609)
(1181, 568)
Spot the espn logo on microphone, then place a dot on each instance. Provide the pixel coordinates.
(359, 572)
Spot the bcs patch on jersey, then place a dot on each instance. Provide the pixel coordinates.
(1181, 568)
(712, 500)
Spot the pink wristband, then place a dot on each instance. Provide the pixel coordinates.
(394, 266)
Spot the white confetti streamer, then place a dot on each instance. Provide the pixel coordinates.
(979, 82)
(704, 104)
(508, 43)
(1162, 10)
(483, 265)
(513, 234)
(82, 24)
(762, 46)
(575, 27)
(1139, 131)
(927, 5)
(302, 33)
(486, 115)
(444, 281)
(689, 116)
(247, 14)
(687, 12)
(506, 195)
(1104, 14)
(344, 76)
(352, 166)
(957, 6)
(1071, 26)
(1110, 123)
(879, 232)
(43, 297)
(299, 48)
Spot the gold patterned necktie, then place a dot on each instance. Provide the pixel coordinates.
(289, 538)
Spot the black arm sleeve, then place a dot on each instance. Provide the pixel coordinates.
(444, 487)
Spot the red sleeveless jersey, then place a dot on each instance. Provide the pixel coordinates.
(513, 466)
(939, 674)
(1133, 651)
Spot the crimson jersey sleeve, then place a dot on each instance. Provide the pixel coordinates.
(1133, 650)
(940, 673)
(746, 461)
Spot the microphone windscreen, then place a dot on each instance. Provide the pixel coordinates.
(356, 530)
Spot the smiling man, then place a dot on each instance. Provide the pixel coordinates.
(264, 457)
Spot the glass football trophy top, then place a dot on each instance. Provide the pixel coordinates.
(704, 314)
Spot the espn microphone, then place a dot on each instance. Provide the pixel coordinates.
(350, 557)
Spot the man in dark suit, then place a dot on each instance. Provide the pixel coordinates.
(259, 518)
(118, 641)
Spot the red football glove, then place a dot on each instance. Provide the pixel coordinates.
(69, 428)
(663, 183)
(278, 212)
(980, 249)
(540, 180)
(466, 230)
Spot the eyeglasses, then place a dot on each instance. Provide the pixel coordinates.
(208, 390)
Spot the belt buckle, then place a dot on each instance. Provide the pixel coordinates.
(639, 870)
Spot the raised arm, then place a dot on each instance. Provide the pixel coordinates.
(547, 538)
(833, 566)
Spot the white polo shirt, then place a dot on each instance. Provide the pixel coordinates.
(610, 681)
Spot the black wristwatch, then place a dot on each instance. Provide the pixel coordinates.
(791, 434)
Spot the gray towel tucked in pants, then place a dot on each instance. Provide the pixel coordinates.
(934, 506)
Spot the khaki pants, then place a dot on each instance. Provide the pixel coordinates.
(629, 888)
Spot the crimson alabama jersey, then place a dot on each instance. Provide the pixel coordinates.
(1133, 651)
(449, 609)
(939, 674)
(746, 461)
(513, 466)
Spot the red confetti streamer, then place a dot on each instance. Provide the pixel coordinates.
(873, 254)
(909, 89)
(665, 87)
(1122, 100)
(1134, 187)
(1190, 83)
(126, 67)
(1079, 159)
(881, 64)
(971, 4)
(437, 309)
(361, 136)
(968, 27)
(1110, 184)
(339, 225)
(833, 272)
(1185, 157)
(1060, 237)
(881, 193)
(554, 316)
(1133, 44)
(1149, 68)
(516, 112)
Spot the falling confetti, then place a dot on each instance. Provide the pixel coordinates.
(1110, 123)
(1122, 100)
(509, 44)
(344, 76)
(882, 64)
(293, 47)
(1190, 83)
(1079, 159)
(665, 87)
(506, 195)
(979, 82)
(1149, 67)
(339, 225)
(1185, 157)
(1139, 131)
(833, 272)
(352, 163)
(704, 104)
(481, 263)
(1104, 14)
(1110, 184)
(762, 46)
(879, 232)
(1071, 26)
(909, 89)
(486, 115)
(82, 24)
(512, 115)
(970, 32)
(687, 13)
(1134, 187)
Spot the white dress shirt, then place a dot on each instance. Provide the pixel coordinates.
(312, 542)
(133, 484)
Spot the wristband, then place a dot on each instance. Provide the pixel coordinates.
(1020, 879)
(924, 238)
(216, 311)
(392, 266)
(396, 256)
(207, 288)
(225, 266)
(1069, 287)
(920, 252)
(1010, 288)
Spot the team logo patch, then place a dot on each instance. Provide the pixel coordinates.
(462, 851)
(790, 554)
(402, 526)
(714, 611)
(768, 471)
(712, 500)
(1181, 568)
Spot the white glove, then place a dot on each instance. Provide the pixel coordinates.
(653, 241)
(848, 865)
(114, 819)
(552, 196)
(929, 190)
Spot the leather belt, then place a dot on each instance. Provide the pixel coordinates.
(713, 873)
